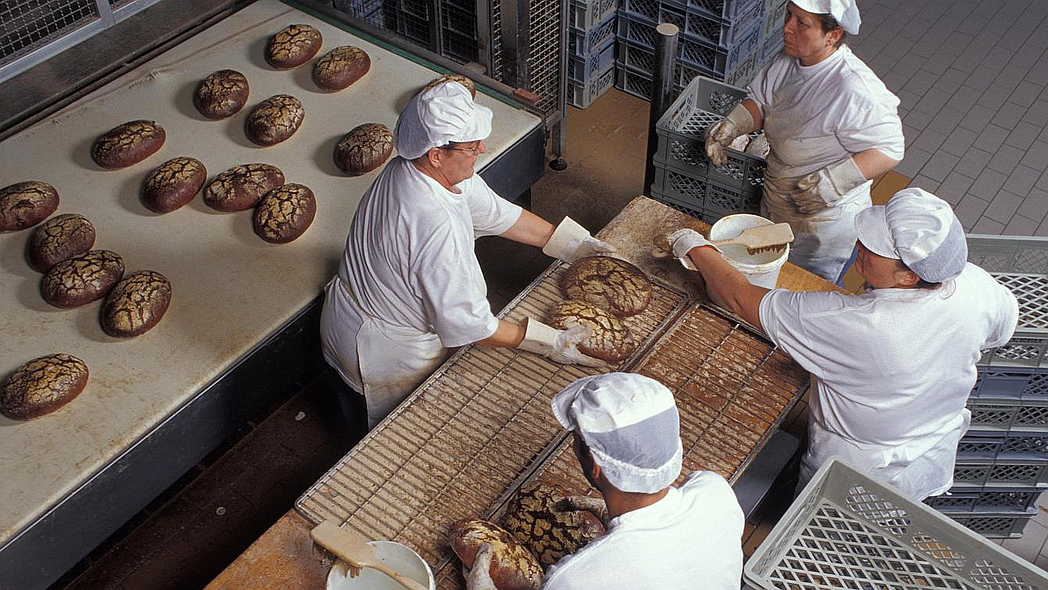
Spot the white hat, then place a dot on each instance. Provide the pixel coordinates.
(918, 228)
(845, 12)
(630, 424)
(437, 116)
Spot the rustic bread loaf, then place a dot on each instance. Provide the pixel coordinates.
(25, 204)
(453, 78)
(610, 283)
(222, 94)
(363, 149)
(340, 68)
(274, 119)
(128, 144)
(59, 238)
(610, 339)
(82, 278)
(285, 213)
(136, 304)
(513, 567)
(241, 187)
(293, 46)
(42, 385)
(539, 518)
(173, 184)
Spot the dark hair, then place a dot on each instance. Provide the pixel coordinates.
(827, 23)
(921, 283)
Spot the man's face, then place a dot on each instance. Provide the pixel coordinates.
(879, 271)
(458, 159)
(585, 458)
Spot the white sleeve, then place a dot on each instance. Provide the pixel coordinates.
(455, 298)
(1006, 316)
(870, 124)
(760, 89)
(492, 215)
(791, 321)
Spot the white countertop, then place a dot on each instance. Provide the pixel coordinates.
(230, 289)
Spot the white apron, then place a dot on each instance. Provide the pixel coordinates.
(920, 468)
(384, 361)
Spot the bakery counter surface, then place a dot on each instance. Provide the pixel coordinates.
(441, 450)
(234, 295)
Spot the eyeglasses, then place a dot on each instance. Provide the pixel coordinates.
(475, 151)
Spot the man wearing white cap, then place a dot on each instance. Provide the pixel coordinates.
(832, 125)
(627, 439)
(409, 285)
(892, 368)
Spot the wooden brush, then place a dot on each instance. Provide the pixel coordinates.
(354, 550)
(755, 239)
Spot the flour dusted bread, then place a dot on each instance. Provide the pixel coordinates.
(610, 339)
(363, 149)
(173, 184)
(136, 304)
(128, 144)
(539, 518)
(454, 78)
(285, 213)
(59, 238)
(82, 279)
(274, 120)
(293, 46)
(513, 567)
(222, 94)
(241, 187)
(42, 385)
(25, 204)
(610, 283)
(340, 68)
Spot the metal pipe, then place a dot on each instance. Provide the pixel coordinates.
(661, 89)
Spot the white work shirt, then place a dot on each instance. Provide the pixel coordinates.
(817, 115)
(892, 365)
(691, 538)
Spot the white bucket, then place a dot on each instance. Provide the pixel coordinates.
(762, 268)
(399, 557)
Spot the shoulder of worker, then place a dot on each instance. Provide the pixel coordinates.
(806, 304)
(859, 85)
(711, 491)
(983, 287)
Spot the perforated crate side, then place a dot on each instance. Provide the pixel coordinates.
(961, 500)
(847, 531)
(995, 526)
(1003, 446)
(771, 44)
(1011, 383)
(1000, 474)
(584, 15)
(722, 9)
(1005, 415)
(709, 217)
(1009, 254)
(583, 95)
(743, 73)
(581, 69)
(1025, 349)
(703, 193)
(774, 16)
(633, 82)
(583, 42)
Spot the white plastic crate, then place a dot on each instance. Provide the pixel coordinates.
(585, 14)
(581, 69)
(583, 95)
(847, 531)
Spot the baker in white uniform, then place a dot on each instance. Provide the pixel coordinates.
(627, 439)
(832, 126)
(409, 285)
(891, 368)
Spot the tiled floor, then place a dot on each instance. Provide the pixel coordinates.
(971, 76)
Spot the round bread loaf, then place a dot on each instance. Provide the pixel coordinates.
(513, 567)
(363, 149)
(25, 204)
(610, 283)
(136, 304)
(59, 238)
(128, 144)
(82, 278)
(610, 339)
(241, 187)
(340, 68)
(275, 119)
(42, 385)
(173, 184)
(453, 78)
(285, 213)
(222, 94)
(293, 46)
(540, 519)
(759, 146)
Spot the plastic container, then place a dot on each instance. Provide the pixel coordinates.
(996, 525)
(397, 556)
(1015, 384)
(1000, 474)
(582, 69)
(582, 43)
(847, 531)
(1003, 446)
(762, 268)
(585, 14)
(1006, 415)
(583, 95)
(961, 500)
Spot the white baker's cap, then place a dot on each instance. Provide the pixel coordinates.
(918, 228)
(631, 426)
(437, 116)
(845, 12)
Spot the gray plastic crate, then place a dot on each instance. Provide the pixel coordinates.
(722, 9)
(960, 500)
(1005, 415)
(583, 95)
(708, 216)
(1003, 446)
(583, 68)
(1000, 474)
(636, 82)
(1011, 383)
(848, 531)
(697, 24)
(994, 525)
(704, 194)
(584, 42)
(584, 15)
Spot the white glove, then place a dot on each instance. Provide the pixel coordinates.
(479, 576)
(682, 241)
(560, 346)
(570, 241)
(738, 122)
(824, 188)
(590, 504)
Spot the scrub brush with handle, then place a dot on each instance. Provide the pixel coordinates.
(758, 239)
(354, 550)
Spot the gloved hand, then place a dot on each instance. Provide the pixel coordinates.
(561, 346)
(682, 241)
(738, 122)
(824, 188)
(570, 241)
(590, 504)
(479, 576)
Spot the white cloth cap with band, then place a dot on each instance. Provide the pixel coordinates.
(845, 12)
(918, 228)
(437, 116)
(631, 425)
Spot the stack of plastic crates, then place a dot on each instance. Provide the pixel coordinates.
(847, 531)
(1002, 462)
(591, 50)
(720, 39)
(685, 178)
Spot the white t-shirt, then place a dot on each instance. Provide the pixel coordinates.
(817, 115)
(691, 538)
(891, 365)
(410, 260)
